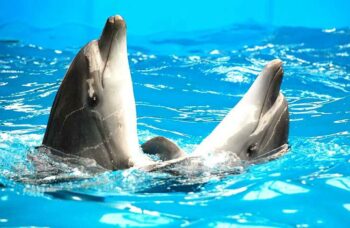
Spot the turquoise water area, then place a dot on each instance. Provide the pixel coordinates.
(184, 85)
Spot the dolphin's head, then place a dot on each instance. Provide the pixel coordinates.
(94, 113)
(270, 126)
(108, 67)
(257, 124)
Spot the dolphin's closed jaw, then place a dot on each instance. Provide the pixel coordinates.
(114, 32)
(117, 22)
(265, 89)
(274, 72)
(113, 24)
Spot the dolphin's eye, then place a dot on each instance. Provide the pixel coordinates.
(252, 149)
(93, 100)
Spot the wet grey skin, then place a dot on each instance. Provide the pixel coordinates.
(94, 114)
(163, 148)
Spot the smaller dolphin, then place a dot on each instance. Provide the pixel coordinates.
(258, 124)
(256, 129)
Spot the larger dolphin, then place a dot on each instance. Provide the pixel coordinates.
(94, 114)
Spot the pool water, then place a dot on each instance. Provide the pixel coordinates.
(184, 85)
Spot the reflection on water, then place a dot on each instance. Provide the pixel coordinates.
(184, 85)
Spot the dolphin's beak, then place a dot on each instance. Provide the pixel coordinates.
(266, 88)
(113, 37)
(273, 73)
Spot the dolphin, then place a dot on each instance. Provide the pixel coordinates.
(258, 124)
(255, 130)
(94, 114)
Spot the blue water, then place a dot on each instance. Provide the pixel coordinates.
(184, 85)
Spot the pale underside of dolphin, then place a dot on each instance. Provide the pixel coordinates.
(94, 114)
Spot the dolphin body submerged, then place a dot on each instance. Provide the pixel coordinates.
(94, 115)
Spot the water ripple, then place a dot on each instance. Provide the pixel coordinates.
(184, 87)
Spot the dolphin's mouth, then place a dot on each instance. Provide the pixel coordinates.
(114, 25)
(273, 87)
(113, 32)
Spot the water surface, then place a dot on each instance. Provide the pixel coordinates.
(184, 85)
